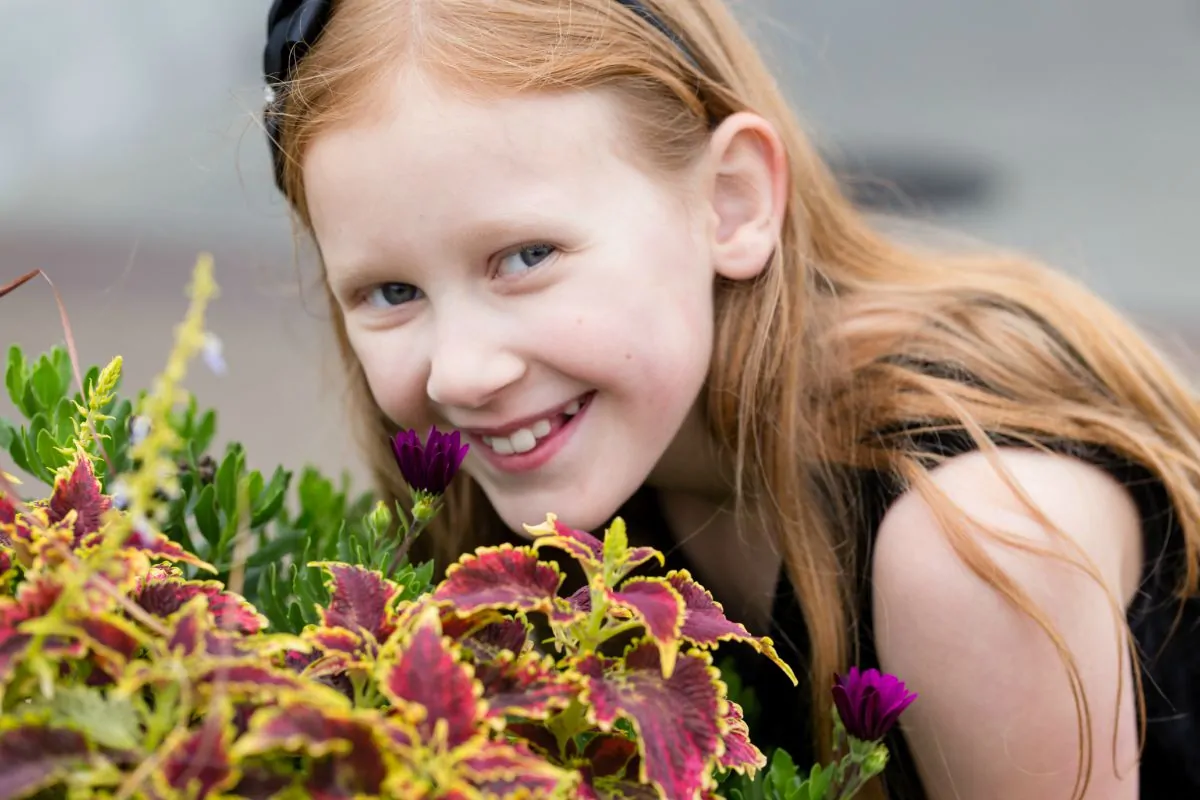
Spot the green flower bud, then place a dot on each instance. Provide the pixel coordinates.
(424, 507)
(875, 762)
(379, 519)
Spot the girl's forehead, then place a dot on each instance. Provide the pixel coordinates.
(419, 116)
(440, 166)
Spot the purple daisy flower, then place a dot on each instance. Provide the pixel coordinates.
(429, 467)
(870, 702)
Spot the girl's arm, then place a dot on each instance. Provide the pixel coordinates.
(996, 716)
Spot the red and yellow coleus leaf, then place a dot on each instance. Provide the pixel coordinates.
(740, 753)
(431, 687)
(200, 763)
(659, 607)
(483, 769)
(8, 517)
(336, 650)
(609, 766)
(486, 635)
(580, 545)
(497, 769)
(34, 599)
(607, 755)
(38, 593)
(361, 599)
(705, 623)
(78, 491)
(588, 550)
(38, 542)
(536, 737)
(344, 742)
(528, 686)
(6, 560)
(493, 639)
(503, 577)
(193, 633)
(36, 757)
(155, 545)
(13, 642)
(112, 640)
(252, 680)
(163, 597)
(677, 719)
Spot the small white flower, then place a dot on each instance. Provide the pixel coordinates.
(270, 95)
(120, 495)
(139, 429)
(213, 353)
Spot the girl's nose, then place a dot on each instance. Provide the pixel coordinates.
(468, 367)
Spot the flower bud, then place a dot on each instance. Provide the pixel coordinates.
(424, 507)
(380, 519)
(875, 762)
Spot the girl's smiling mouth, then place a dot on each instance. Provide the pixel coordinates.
(529, 443)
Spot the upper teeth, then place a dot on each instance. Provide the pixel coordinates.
(523, 440)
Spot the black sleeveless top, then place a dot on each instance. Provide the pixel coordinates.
(1170, 668)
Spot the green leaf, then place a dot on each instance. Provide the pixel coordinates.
(297, 618)
(14, 378)
(315, 580)
(47, 450)
(64, 414)
(782, 781)
(36, 469)
(117, 429)
(279, 546)
(616, 542)
(253, 485)
(227, 479)
(228, 534)
(16, 449)
(271, 499)
(176, 526)
(817, 785)
(7, 434)
(203, 435)
(89, 381)
(268, 598)
(206, 515)
(107, 721)
(61, 360)
(29, 402)
(46, 384)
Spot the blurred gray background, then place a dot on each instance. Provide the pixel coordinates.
(129, 143)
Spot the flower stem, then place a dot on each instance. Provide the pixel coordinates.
(853, 783)
(411, 532)
(616, 630)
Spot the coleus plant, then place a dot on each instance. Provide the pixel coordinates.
(126, 672)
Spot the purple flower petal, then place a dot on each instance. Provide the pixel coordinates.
(870, 702)
(429, 467)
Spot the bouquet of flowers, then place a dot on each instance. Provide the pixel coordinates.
(174, 625)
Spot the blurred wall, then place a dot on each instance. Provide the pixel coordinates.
(128, 143)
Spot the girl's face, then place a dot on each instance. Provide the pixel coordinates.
(504, 269)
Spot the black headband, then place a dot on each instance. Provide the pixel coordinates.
(293, 26)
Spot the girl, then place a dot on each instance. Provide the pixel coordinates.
(590, 235)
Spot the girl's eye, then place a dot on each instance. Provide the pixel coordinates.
(525, 259)
(390, 295)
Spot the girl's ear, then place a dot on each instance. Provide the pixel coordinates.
(748, 194)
